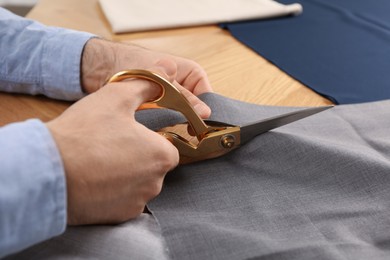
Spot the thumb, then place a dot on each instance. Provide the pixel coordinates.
(133, 91)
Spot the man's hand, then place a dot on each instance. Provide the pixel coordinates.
(113, 164)
(102, 59)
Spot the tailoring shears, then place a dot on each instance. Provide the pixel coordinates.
(213, 139)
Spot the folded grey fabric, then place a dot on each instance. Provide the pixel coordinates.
(318, 188)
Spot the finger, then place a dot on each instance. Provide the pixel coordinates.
(200, 107)
(134, 92)
(168, 67)
(192, 77)
(165, 151)
(129, 94)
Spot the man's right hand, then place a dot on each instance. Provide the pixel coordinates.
(113, 164)
(101, 59)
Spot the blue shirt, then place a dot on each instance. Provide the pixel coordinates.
(34, 59)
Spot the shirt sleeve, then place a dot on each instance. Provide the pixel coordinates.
(32, 186)
(38, 59)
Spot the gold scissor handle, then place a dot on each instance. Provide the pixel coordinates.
(170, 97)
(213, 140)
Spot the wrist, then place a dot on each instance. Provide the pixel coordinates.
(97, 63)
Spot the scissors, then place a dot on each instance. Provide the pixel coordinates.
(213, 139)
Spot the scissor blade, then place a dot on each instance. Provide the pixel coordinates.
(248, 132)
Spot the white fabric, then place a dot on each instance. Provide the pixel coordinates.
(142, 15)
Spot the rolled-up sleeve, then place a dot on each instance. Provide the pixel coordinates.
(37, 59)
(32, 186)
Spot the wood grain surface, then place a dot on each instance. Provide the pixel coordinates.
(234, 70)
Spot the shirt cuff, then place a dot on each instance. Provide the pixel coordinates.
(32, 186)
(61, 63)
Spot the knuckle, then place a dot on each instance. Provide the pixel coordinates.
(139, 209)
(168, 157)
(168, 68)
(133, 212)
(156, 188)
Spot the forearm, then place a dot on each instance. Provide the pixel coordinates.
(32, 187)
(37, 59)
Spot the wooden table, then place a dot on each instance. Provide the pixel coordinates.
(234, 70)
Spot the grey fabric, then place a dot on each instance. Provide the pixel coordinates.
(135, 239)
(318, 188)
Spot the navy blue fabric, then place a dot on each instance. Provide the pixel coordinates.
(338, 48)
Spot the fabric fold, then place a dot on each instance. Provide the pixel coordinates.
(131, 16)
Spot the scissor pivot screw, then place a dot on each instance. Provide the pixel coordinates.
(227, 141)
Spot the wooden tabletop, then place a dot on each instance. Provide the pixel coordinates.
(234, 70)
